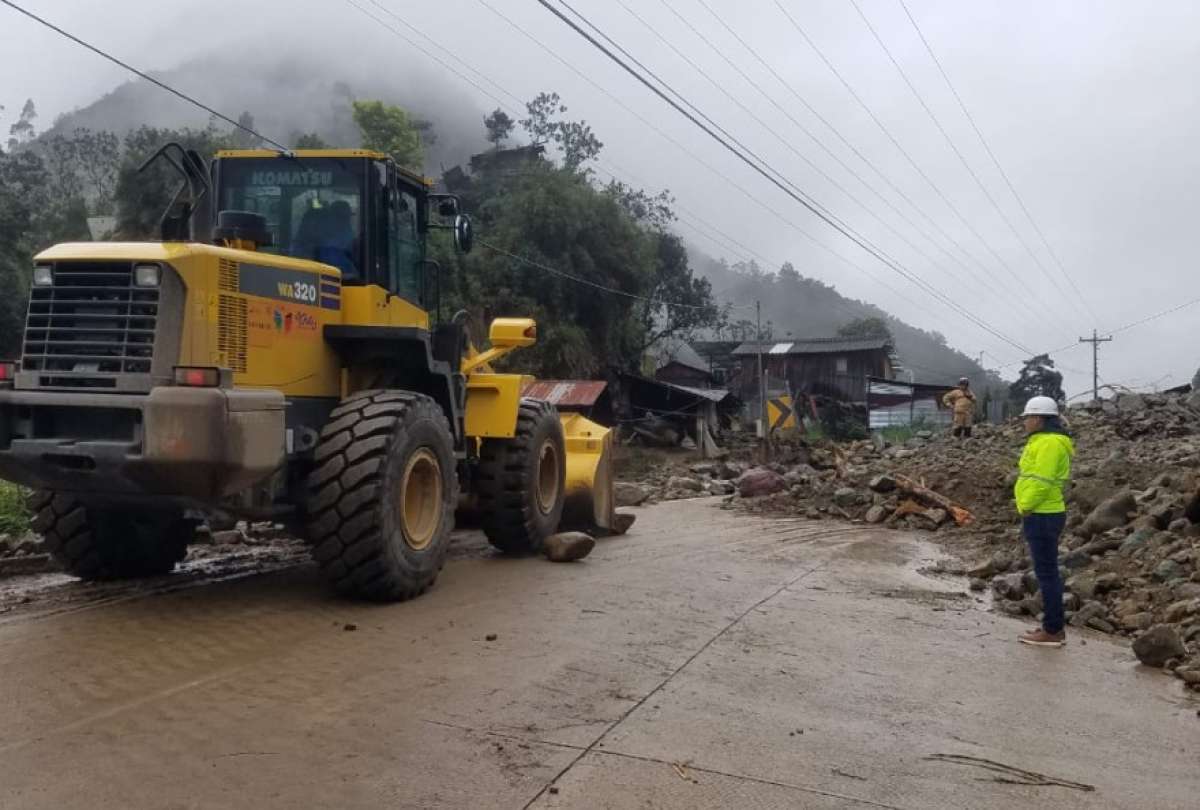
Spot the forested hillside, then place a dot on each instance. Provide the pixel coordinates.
(603, 260)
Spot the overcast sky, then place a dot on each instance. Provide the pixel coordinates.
(1089, 107)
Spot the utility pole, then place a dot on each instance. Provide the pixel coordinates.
(762, 384)
(1095, 340)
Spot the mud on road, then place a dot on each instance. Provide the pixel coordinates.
(705, 660)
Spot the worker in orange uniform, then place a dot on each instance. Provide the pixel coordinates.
(962, 401)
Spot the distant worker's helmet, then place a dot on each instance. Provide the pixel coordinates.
(1041, 406)
(963, 381)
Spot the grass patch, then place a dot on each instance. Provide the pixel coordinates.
(14, 515)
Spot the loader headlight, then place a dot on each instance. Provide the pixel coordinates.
(43, 275)
(146, 275)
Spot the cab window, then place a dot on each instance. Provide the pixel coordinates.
(404, 272)
(313, 208)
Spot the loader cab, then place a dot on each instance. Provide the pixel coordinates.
(353, 209)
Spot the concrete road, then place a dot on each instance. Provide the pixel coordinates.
(707, 660)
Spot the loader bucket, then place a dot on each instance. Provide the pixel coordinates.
(589, 477)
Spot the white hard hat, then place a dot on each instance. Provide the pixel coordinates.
(1041, 406)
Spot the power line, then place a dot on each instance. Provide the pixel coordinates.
(143, 75)
(995, 161)
(649, 124)
(957, 152)
(983, 280)
(753, 198)
(782, 185)
(892, 138)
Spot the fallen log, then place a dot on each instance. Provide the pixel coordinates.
(924, 495)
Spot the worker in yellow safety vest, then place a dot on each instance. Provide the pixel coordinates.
(1045, 469)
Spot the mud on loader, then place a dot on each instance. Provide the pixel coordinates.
(279, 355)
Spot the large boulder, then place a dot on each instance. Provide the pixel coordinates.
(882, 483)
(1110, 514)
(1009, 586)
(876, 514)
(760, 481)
(684, 484)
(1158, 645)
(845, 497)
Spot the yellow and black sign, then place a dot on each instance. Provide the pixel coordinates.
(781, 413)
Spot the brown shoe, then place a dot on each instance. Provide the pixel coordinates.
(1040, 638)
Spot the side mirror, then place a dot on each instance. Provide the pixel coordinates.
(464, 233)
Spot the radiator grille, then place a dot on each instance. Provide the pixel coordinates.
(231, 332)
(90, 326)
(227, 276)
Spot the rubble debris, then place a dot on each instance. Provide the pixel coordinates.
(760, 481)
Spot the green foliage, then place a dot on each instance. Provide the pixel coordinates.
(14, 514)
(1037, 378)
(613, 236)
(574, 139)
(22, 131)
(865, 328)
(499, 126)
(142, 197)
(309, 140)
(388, 128)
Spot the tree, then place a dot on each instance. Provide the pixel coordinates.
(142, 197)
(865, 329)
(541, 125)
(388, 128)
(242, 139)
(22, 131)
(574, 139)
(1037, 378)
(309, 140)
(498, 125)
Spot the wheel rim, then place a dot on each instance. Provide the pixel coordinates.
(419, 506)
(547, 477)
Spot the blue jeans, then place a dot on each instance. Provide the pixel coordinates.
(1042, 533)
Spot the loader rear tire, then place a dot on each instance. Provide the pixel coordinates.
(381, 499)
(522, 481)
(97, 544)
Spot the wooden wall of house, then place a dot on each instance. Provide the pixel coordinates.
(823, 375)
(680, 374)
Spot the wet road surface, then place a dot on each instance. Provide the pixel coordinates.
(705, 660)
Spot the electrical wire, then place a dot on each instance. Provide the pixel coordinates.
(895, 142)
(961, 157)
(1019, 307)
(771, 176)
(753, 198)
(142, 74)
(995, 161)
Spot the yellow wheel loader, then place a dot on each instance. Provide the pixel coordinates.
(280, 355)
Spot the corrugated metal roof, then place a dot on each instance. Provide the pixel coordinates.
(577, 393)
(814, 346)
(711, 394)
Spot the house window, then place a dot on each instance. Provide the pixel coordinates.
(841, 365)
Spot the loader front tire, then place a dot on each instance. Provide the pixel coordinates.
(522, 481)
(98, 544)
(381, 499)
